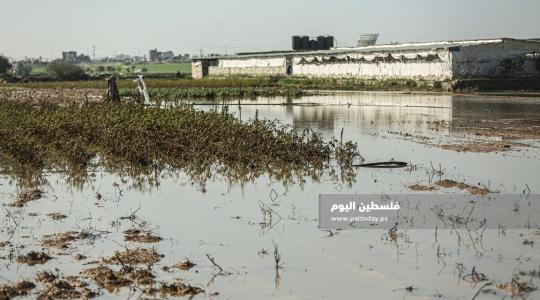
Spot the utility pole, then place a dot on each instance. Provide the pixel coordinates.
(94, 52)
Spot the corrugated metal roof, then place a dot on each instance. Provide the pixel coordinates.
(375, 48)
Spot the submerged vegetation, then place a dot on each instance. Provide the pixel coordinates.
(224, 92)
(143, 142)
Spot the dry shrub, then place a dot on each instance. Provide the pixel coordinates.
(463, 186)
(26, 196)
(420, 187)
(140, 236)
(134, 257)
(63, 240)
(34, 258)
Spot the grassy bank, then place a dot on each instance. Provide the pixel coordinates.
(139, 141)
(303, 83)
(153, 83)
(352, 84)
(255, 82)
(490, 85)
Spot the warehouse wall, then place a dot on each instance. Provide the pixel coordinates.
(248, 71)
(253, 62)
(328, 66)
(489, 60)
(197, 69)
(407, 65)
(468, 60)
(249, 66)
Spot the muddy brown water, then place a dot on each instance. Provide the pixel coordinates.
(231, 222)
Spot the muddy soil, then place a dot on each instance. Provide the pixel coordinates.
(60, 96)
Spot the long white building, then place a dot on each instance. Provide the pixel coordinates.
(502, 57)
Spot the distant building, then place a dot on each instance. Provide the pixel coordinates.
(72, 56)
(447, 60)
(183, 57)
(155, 55)
(367, 39)
(122, 57)
(167, 55)
(83, 58)
(306, 43)
(69, 56)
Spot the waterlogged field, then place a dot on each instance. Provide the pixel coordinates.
(253, 82)
(234, 214)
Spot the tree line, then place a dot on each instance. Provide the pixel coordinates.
(58, 69)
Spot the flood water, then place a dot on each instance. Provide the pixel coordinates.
(230, 222)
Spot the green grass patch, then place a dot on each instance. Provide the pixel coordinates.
(166, 68)
(151, 83)
(38, 70)
(151, 68)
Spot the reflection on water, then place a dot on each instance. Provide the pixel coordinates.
(387, 111)
(373, 112)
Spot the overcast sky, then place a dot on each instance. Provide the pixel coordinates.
(44, 28)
